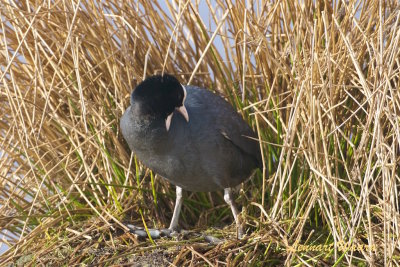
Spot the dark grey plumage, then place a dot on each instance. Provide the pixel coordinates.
(214, 150)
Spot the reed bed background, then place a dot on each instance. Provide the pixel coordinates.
(318, 80)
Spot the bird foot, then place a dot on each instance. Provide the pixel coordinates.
(141, 233)
(240, 234)
(154, 233)
(212, 240)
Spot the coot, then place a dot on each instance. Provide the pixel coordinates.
(191, 137)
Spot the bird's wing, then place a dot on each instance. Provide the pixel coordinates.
(241, 135)
(232, 126)
(219, 113)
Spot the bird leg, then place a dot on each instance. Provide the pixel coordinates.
(178, 205)
(229, 199)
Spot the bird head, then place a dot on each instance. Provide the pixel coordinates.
(160, 96)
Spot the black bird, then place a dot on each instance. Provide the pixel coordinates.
(207, 147)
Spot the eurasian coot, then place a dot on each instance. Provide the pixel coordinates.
(207, 147)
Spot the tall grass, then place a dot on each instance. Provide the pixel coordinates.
(318, 80)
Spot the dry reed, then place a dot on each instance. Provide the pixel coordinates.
(319, 80)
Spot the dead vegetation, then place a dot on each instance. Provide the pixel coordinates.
(319, 80)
